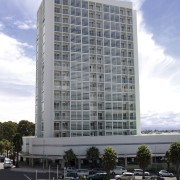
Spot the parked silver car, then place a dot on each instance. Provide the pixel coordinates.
(71, 176)
(83, 172)
(7, 163)
(124, 176)
(118, 170)
(139, 172)
(165, 173)
(71, 169)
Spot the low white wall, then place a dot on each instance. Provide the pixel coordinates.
(124, 145)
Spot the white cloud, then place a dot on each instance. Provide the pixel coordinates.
(28, 7)
(136, 3)
(8, 18)
(1, 26)
(159, 88)
(17, 79)
(26, 25)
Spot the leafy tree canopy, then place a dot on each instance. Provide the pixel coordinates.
(1, 147)
(143, 157)
(26, 128)
(8, 130)
(92, 154)
(174, 152)
(69, 156)
(17, 142)
(109, 159)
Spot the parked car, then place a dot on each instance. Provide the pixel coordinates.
(96, 170)
(71, 169)
(155, 178)
(72, 176)
(7, 163)
(126, 175)
(118, 170)
(165, 173)
(139, 172)
(83, 172)
(2, 158)
(98, 176)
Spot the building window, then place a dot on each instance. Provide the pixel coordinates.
(98, 7)
(65, 48)
(91, 6)
(57, 19)
(106, 8)
(99, 33)
(65, 11)
(99, 51)
(56, 126)
(65, 29)
(65, 20)
(91, 15)
(84, 4)
(99, 42)
(57, 10)
(57, 1)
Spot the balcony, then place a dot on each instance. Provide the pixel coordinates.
(61, 88)
(58, 68)
(92, 79)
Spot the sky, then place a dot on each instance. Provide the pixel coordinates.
(158, 50)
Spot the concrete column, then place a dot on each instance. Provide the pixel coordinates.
(125, 162)
(46, 163)
(32, 162)
(79, 163)
(62, 163)
(152, 160)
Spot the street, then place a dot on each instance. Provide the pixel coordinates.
(24, 174)
(34, 174)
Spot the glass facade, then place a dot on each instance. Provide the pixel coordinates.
(94, 76)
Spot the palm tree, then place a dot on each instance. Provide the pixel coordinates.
(167, 156)
(7, 146)
(17, 142)
(1, 147)
(69, 156)
(92, 154)
(143, 157)
(109, 159)
(175, 156)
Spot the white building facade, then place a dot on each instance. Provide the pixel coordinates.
(87, 69)
(87, 87)
(126, 147)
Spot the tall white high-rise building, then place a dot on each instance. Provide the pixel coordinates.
(87, 69)
(87, 89)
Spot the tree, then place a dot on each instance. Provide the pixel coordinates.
(1, 147)
(17, 142)
(109, 159)
(26, 128)
(92, 154)
(175, 156)
(69, 156)
(1, 131)
(167, 156)
(7, 146)
(143, 157)
(9, 129)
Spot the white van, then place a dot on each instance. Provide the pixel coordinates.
(118, 170)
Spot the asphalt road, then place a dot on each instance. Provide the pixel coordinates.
(7, 174)
(24, 174)
(33, 174)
